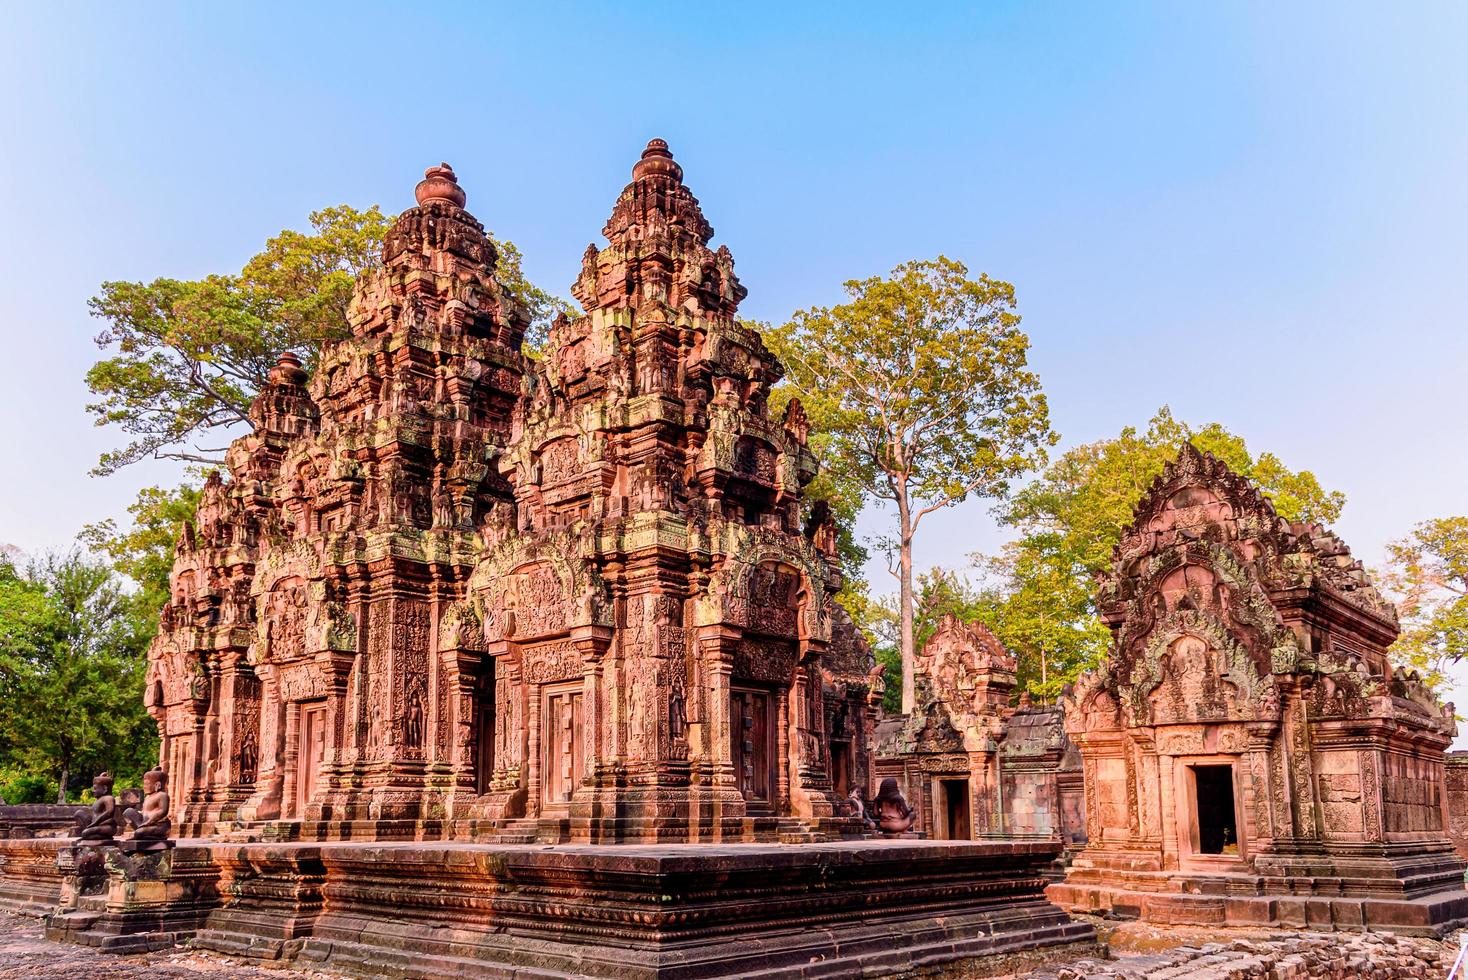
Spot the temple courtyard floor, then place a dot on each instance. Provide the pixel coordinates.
(1138, 952)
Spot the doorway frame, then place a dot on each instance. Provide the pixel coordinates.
(306, 782)
(1185, 814)
(771, 745)
(575, 694)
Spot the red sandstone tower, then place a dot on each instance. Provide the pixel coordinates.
(451, 589)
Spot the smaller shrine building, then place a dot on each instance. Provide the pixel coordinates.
(971, 765)
(1250, 755)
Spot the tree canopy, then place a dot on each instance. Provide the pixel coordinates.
(185, 358)
(71, 672)
(920, 385)
(144, 551)
(1427, 571)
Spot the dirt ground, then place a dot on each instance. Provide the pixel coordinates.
(26, 954)
(1137, 950)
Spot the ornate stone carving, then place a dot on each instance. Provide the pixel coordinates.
(418, 537)
(1251, 653)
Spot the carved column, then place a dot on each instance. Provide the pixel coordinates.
(591, 643)
(464, 667)
(716, 647)
(264, 803)
(1299, 765)
(1261, 796)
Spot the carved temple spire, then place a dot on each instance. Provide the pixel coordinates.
(283, 409)
(439, 272)
(658, 253)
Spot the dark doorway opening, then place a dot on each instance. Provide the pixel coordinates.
(1218, 831)
(956, 811)
(841, 768)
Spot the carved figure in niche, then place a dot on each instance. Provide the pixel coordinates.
(249, 758)
(1190, 683)
(1269, 702)
(284, 629)
(199, 683)
(641, 683)
(413, 718)
(151, 822)
(443, 508)
(100, 822)
(890, 809)
(859, 808)
(495, 525)
(677, 718)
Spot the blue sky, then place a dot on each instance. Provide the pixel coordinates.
(1255, 213)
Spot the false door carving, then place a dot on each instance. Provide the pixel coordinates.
(753, 740)
(564, 758)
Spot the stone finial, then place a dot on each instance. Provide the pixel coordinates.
(657, 161)
(440, 184)
(288, 370)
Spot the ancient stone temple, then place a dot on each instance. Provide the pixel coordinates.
(1250, 754)
(449, 587)
(461, 624)
(972, 765)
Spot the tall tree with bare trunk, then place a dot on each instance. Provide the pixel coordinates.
(921, 380)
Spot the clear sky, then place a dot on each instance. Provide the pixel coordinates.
(1255, 213)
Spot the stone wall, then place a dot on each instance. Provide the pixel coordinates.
(1455, 799)
(39, 820)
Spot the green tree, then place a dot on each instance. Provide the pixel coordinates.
(920, 383)
(1041, 597)
(72, 666)
(185, 358)
(144, 552)
(1427, 572)
(1040, 609)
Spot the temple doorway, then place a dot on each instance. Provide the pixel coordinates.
(484, 728)
(841, 768)
(955, 803)
(1218, 831)
(752, 736)
(312, 752)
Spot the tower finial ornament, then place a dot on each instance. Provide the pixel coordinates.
(440, 184)
(657, 160)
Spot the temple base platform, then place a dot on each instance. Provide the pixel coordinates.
(30, 878)
(448, 909)
(1334, 898)
(149, 896)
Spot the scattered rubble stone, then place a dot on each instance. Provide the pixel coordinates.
(1289, 956)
